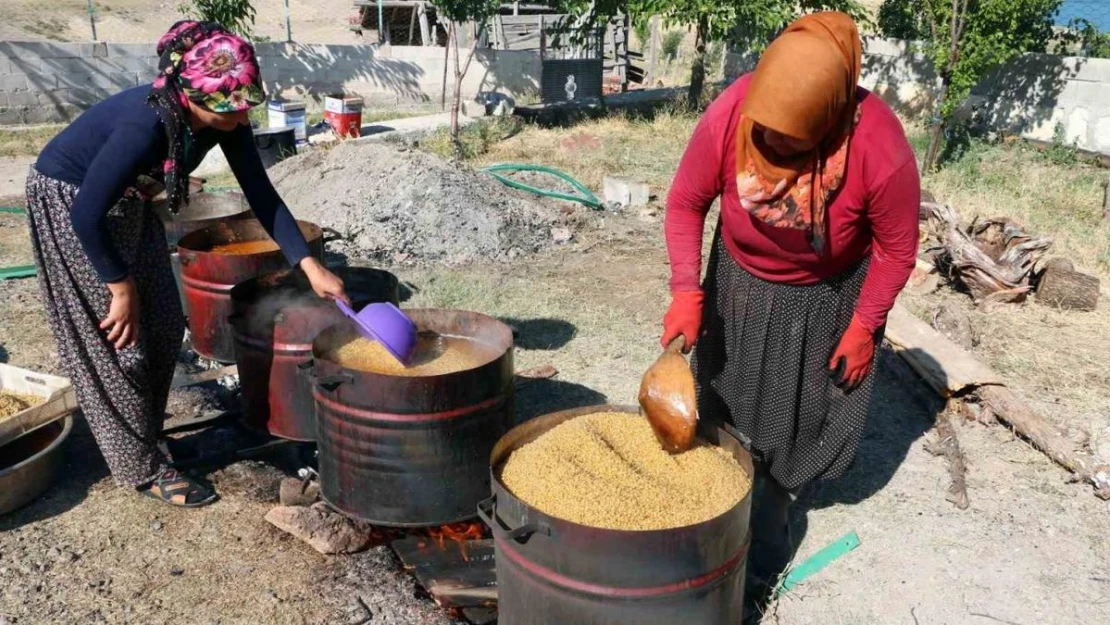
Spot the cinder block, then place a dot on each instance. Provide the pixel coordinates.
(83, 98)
(23, 98)
(69, 65)
(11, 116)
(108, 84)
(13, 82)
(42, 82)
(625, 191)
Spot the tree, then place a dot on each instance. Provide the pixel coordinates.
(235, 15)
(753, 23)
(966, 39)
(461, 12)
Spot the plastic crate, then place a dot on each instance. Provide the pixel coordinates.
(60, 400)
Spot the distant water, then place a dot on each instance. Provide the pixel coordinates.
(1096, 12)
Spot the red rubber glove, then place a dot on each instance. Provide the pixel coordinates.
(851, 360)
(683, 318)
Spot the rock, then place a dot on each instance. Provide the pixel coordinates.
(294, 492)
(647, 214)
(561, 235)
(177, 571)
(324, 530)
(625, 191)
(156, 526)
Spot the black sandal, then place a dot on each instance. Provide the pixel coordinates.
(177, 489)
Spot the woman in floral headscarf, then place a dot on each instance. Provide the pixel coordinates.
(101, 251)
(819, 195)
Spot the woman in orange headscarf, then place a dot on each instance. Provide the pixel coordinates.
(819, 195)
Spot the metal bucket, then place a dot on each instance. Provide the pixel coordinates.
(553, 572)
(412, 451)
(30, 464)
(208, 278)
(276, 317)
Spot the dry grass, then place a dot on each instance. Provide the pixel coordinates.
(645, 149)
(19, 141)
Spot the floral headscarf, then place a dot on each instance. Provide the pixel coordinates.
(203, 63)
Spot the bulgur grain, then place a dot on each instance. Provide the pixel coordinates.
(12, 403)
(608, 470)
(435, 354)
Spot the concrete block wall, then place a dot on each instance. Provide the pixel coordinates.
(46, 81)
(43, 82)
(1031, 96)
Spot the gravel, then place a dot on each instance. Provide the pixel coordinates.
(394, 204)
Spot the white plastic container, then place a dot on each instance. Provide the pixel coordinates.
(283, 114)
(59, 400)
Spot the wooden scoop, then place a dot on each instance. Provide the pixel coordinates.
(668, 399)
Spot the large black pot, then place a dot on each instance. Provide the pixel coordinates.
(555, 572)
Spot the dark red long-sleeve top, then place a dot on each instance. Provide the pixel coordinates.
(874, 213)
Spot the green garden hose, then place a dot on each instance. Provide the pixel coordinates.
(587, 198)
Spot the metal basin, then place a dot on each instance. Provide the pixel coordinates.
(30, 464)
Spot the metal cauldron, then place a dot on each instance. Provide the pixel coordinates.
(553, 572)
(276, 317)
(412, 451)
(209, 277)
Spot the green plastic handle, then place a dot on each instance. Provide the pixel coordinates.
(818, 561)
(20, 271)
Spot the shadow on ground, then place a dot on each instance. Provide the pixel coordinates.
(902, 411)
(535, 398)
(540, 334)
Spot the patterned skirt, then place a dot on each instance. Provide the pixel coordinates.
(762, 366)
(121, 393)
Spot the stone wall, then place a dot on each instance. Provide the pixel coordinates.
(44, 82)
(1033, 95)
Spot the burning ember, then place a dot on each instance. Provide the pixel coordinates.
(459, 533)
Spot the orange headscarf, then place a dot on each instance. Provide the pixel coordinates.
(804, 87)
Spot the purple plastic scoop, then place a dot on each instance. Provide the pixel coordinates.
(385, 323)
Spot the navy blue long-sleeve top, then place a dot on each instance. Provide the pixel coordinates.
(106, 149)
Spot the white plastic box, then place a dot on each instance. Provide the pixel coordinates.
(60, 400)
(283, 114)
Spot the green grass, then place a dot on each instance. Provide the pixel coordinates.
(16, 141)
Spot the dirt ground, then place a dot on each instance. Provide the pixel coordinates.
(1031, 549)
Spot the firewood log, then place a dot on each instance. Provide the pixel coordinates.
(1068, 290)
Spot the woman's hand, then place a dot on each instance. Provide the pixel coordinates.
(851, 361)
(122, 322)
(324, 283)
(683, 318)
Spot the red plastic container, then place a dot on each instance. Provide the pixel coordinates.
(344, 115)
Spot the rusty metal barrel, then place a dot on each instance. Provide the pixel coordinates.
(553, 572)
(208, 278)
(276, 317)
(412, 451)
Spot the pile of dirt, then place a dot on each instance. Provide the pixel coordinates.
(394, 204)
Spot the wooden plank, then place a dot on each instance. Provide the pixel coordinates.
(182, 380)
(458, 574)
(945, 366)
(425, 32)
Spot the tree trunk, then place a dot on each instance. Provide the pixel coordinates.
(697, 70)
(456, 98)
(1060, 287)
(936, 141)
